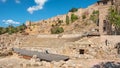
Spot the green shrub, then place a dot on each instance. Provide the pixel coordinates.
(95, 16)
(73, 17)
(73, 10)
(2, 30)
(57, 30)
(95, 12)
(11, 29)
(60, 21)
(22, 27)
(84, 16)
(114, 19)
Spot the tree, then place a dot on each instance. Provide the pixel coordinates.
(73, 17)
(1, 30)
(73, 10)
(11, 29)
(67, 20)
(114, 18)
(22, 27)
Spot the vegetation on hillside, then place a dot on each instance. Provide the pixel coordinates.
(11, 29)
(95, 16)
(83, 16)
(73, 10)
(114, 19)
(73, 17)
(57, 30)
(59, 22)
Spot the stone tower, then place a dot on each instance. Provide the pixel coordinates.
(104, 27)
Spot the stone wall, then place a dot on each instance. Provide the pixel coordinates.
(113, 39)
(61, 36)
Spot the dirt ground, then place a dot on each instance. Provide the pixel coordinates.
(16, 62)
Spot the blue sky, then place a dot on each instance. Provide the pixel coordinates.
(17, 12)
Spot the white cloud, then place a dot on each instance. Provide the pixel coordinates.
(3, 1)
(10, 21)
(17, 1)
(39, 5)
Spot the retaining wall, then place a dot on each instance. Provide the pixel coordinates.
(111, 38)
(67, 37)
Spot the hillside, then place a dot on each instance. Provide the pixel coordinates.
(82, 35)
(76, 21)
(83, 23)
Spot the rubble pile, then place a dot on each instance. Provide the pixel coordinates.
(107, 65)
